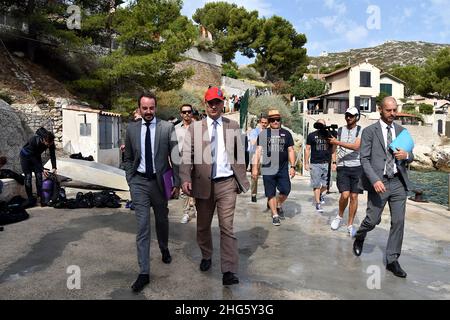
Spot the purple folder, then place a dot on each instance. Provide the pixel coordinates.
(168, 183)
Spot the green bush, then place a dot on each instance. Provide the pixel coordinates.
(39, 97)
(408, 107)
(169, 102)
(263, 104)
(6, 97)
(296, 121)
(230, 70)
(249, 73)
(426, 108)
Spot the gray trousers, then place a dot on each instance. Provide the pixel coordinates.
(145, 194)
(395, 196)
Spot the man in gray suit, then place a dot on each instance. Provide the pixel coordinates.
(148, 147)
(386, 180)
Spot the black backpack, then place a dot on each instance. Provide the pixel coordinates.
(13, 211)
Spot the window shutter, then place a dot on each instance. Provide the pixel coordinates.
(373, 104)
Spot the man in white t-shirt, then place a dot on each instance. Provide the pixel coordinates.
(347, 158)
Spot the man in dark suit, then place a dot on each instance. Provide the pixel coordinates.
(213, 171)
(149, 145)
(386, 180)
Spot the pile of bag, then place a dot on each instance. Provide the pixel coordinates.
(13, 211)
(79, 156)
(103, 199)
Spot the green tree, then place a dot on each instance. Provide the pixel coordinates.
(380, 98)
(437, 69)
(152, 35)
(279, 49)
(47, 20)
(412, 75)
(303, 89)
(425, 108)
(233, 28)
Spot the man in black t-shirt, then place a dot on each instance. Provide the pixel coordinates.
(276, 148)
(320, 150)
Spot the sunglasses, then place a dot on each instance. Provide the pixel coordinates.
(349, 115)
(186, 112)
(275, 120)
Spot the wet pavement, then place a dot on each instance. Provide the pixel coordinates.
(301, 259)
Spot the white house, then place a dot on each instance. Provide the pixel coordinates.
(92, 132)
(357, 85)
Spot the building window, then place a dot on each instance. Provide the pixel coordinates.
(364, 104)
(85, 129)
(386, 88)
(364, 78)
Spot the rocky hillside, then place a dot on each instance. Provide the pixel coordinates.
(384, 56)
(23, 80)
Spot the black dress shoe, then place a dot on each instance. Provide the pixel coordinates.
(166, 258)
(140, 283)
(357, 247)
(229, 278)
(253, 198)
(205, 264)
(395, 268)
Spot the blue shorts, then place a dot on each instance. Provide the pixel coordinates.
(280, 181)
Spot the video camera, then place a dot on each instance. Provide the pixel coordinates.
(326, 131)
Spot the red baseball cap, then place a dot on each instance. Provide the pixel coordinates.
(214, 93)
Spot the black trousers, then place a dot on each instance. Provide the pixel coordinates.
(30, 165)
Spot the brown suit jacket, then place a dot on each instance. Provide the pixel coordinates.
(196, 157)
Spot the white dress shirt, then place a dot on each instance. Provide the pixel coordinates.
(223, 165)
(152, 127)
(384, 131)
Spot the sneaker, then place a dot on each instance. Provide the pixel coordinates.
(185, 218)
(318, 207)
(351, 231)
(276, 221)
(322, 199)
(281, 213)
(335, 223)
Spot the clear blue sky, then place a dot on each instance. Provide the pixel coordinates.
(338, 25)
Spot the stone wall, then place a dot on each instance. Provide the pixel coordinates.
(204, 74)
(44, 115)
(234, 86)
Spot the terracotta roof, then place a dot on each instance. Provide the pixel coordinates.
(347, 68)
(90, 110)
(401, 114)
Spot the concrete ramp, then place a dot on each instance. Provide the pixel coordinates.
(91, 172)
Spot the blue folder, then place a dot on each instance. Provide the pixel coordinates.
(403, 141)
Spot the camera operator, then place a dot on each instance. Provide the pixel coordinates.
(349, 170)
(319, 148)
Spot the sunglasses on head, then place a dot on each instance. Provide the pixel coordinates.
(186, 112)
(275, 120)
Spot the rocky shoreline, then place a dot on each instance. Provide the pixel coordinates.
(432, 158)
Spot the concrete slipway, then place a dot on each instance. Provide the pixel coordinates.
(301, 259)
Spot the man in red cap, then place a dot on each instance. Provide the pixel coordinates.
(214, 173)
